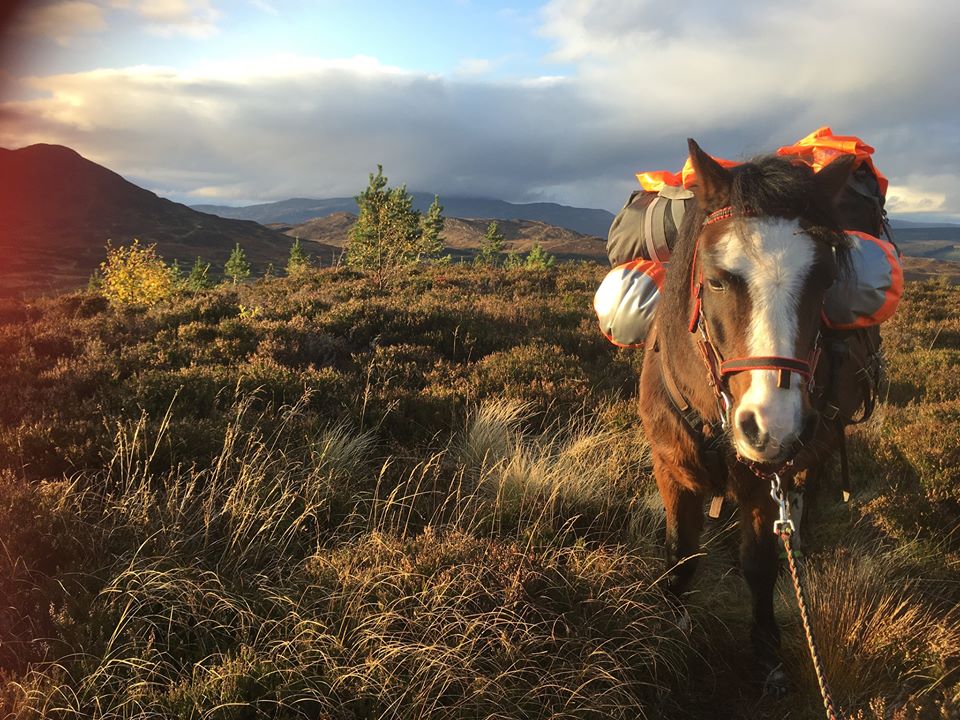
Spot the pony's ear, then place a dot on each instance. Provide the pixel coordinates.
(712, 184)
(832, 179)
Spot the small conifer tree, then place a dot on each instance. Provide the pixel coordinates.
(388, 234)
(491, 247)
(539, 259)
(237, 267)
(95, 281)
(513, 260)
(431, 225)
(199, 276)
(298, 261)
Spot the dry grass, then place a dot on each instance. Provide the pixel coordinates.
(436, 503)
(221, 597)
(876, 631)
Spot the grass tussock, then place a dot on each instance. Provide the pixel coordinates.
(882, 642)
(238, 588)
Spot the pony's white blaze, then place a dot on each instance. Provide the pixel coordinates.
(775, 269)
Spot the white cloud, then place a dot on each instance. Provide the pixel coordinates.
(62, 21)
(306, 126)
(474, 66)
(928, 193)
(195, 18)
(714, 65)
(745, 78)
(265, 6)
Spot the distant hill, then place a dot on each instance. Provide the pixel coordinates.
(935, 242)
(586, 221)
(463, 236)
(59, 209)
(897, 223)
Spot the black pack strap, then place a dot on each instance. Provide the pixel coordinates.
(691, 418)
(838, 352)
(869, 395)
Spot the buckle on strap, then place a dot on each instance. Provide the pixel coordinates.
(725, 403)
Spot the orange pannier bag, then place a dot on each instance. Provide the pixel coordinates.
(822, 147)
(870, 291)
(626, 301)
(642, 235)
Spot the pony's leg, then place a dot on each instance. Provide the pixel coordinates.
(684, 514)
(760, 565)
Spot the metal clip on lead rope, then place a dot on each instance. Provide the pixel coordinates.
(784, 524)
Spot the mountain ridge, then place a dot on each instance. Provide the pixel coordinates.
(462, 236)
(293, 211)
(60, 210)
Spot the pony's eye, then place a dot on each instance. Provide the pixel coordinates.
(716, 284)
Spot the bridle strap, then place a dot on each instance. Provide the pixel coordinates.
(724, 213)
(696, 287)
(784, 366)
(760, 362)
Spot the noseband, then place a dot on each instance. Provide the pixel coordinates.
(719, 370)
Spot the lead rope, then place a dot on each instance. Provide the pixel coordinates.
(784, 528)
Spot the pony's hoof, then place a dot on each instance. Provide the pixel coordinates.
(775, 684)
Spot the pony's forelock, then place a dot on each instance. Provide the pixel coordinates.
(778, 187)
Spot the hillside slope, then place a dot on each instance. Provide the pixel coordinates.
(586, 221)
(59, 209)
(938, 243)
(464, 236)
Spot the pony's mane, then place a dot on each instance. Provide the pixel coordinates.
(765, 186)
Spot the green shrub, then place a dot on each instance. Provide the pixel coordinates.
(535, 371)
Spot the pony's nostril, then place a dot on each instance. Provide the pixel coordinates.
(751, 430)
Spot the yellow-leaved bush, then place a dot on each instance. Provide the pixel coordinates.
(136, 275)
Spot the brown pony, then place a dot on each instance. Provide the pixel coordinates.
(735, 386)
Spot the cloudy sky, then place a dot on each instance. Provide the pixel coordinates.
(258, 100)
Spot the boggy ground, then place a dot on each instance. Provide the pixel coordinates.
(305, 498)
